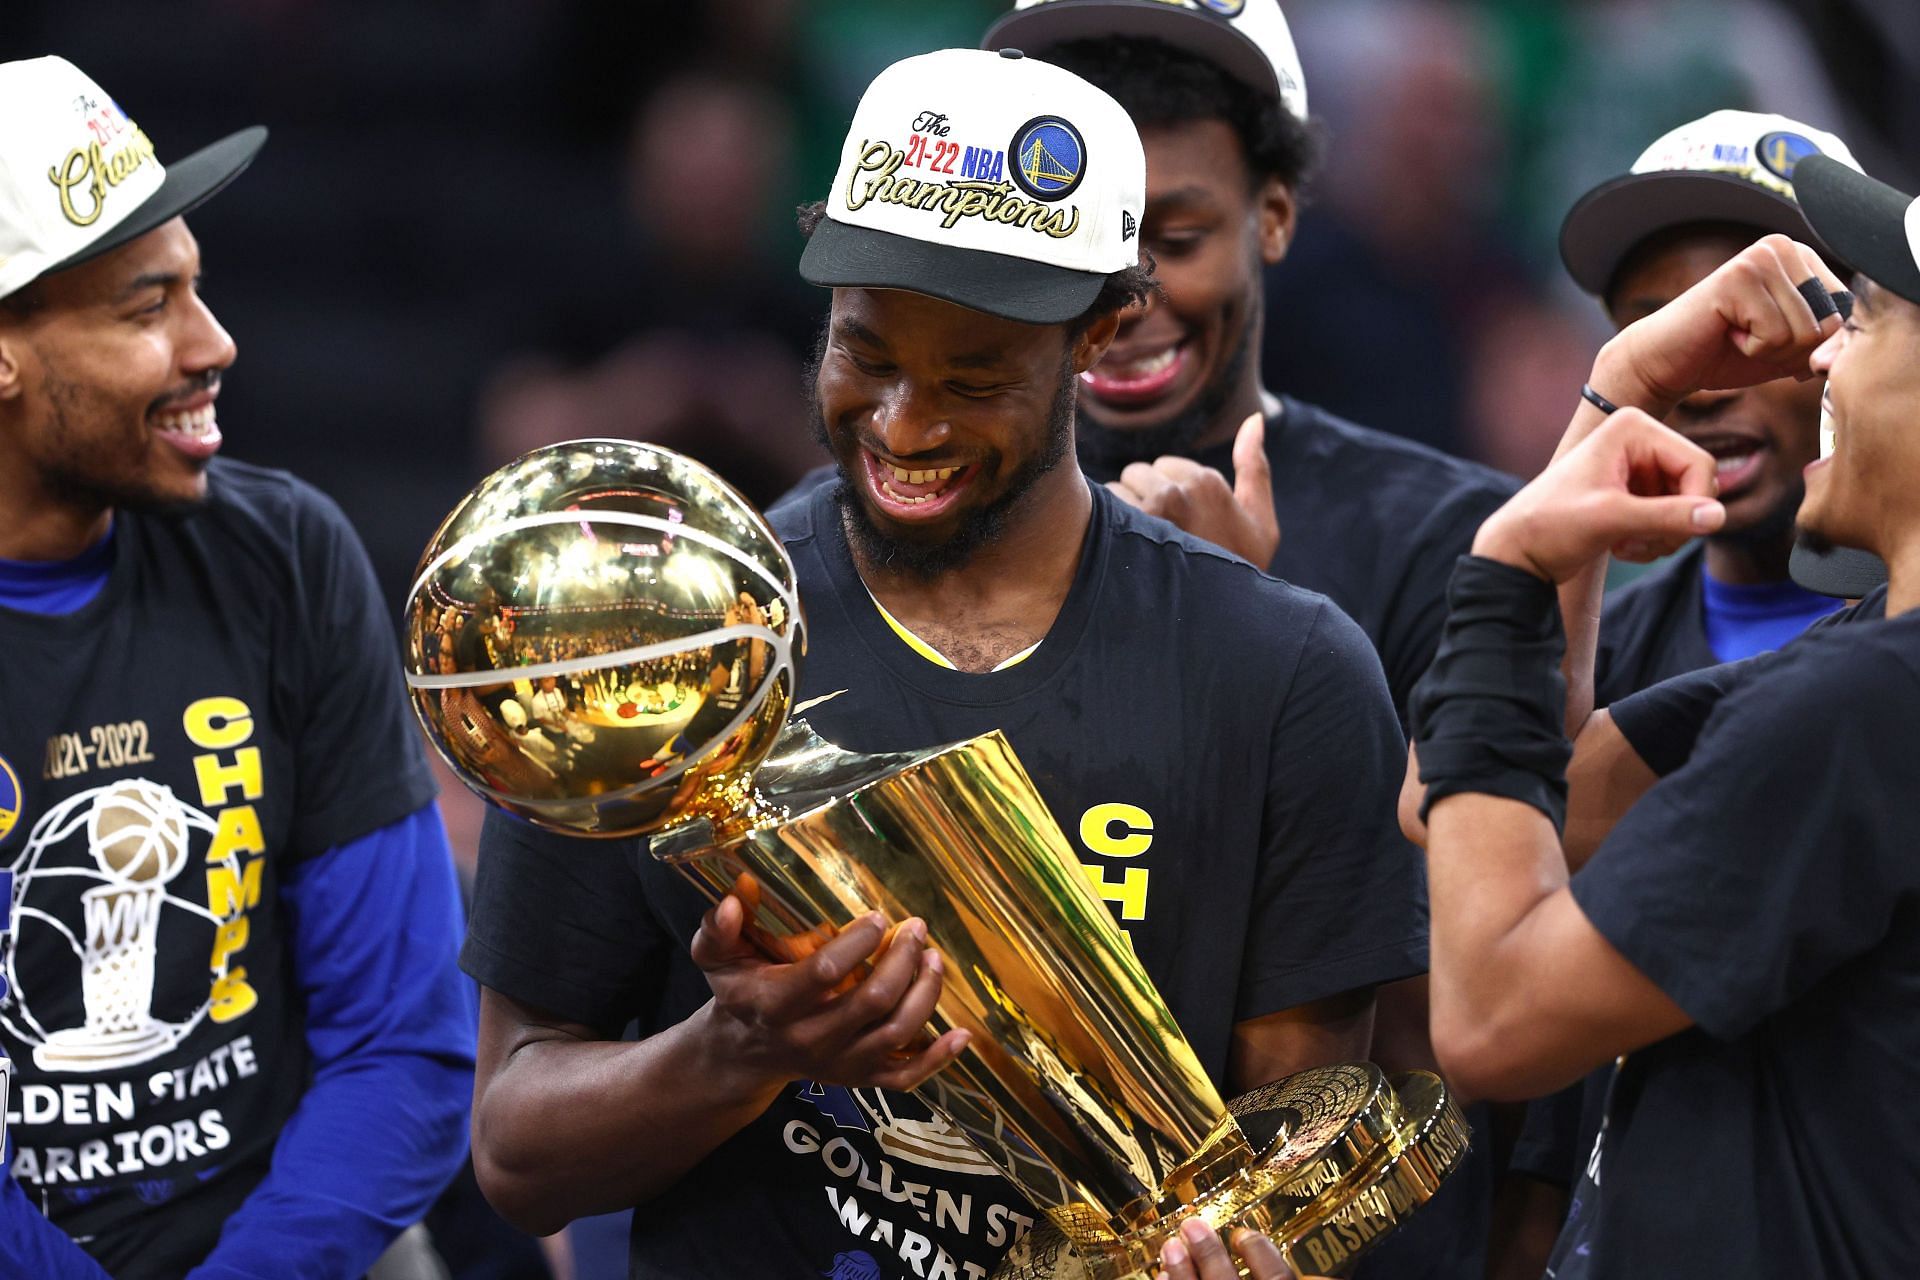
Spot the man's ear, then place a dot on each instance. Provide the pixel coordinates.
(13, 350)
(1093, 343)
(1277, 210)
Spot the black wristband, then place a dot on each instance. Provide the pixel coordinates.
(1488, 715)
(1597, 400)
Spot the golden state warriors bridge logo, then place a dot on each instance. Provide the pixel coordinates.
(10, 798)
(1782, 152)
(1050, 158)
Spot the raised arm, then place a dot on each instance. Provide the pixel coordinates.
(1743, 324)
(1527, 994)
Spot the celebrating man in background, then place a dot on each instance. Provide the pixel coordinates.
(240, 1034)
(1744, 935)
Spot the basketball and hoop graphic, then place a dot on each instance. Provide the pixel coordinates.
(1049, 158)
(138, 837)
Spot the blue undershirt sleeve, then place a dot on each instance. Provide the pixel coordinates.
(32, 1246)
(382, 1129)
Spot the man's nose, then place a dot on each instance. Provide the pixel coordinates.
(906, 422)
(206, 344)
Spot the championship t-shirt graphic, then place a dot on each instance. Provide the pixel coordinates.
(134, 897)
(170, 752)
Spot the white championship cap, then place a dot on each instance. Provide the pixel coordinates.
(78, 178)
(993, 181)
(1729, 166)
(1248, 39)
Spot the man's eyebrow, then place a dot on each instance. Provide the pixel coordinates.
(1863, 291)
(858, 332)
(992, 360)
(148, 280)
(1180, 196)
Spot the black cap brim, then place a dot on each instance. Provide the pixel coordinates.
(1034, 30)
(189, 184)
(1863, 219)
(842, 256)
(1604, 225)
(1846, 573)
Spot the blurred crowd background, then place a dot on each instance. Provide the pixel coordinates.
(483, 226)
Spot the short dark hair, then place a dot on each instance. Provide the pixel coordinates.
(1122, 288)
(1160, 84)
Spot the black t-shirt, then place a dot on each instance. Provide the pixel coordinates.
(227, 705)
(1373, 522)
(1662, 722)
(1770, 887)
(1239, 724)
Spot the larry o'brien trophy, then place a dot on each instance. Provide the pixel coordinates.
(601, 640)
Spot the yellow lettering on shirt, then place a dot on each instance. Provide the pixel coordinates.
(1117, 830)
(221, 725)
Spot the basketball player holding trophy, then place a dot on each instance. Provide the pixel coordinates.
(1072, 953)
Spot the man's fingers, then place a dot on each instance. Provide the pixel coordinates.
(913, 1071)
(1119, 490)
(1817, 268)
(1262, 1256)
(1252, 474)
(834, 961)
(719, 941)
(906, 1017)
(1648, 528)
(1177, 469)
(1148, 483)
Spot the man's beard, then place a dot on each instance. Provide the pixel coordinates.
(1105, 451)
(73, 475)
(980, 527)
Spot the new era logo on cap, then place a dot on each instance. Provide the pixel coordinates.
(72, 166)
(995, 181)
(1249, 39)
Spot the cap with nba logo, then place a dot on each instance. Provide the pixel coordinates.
(1248, 39)
(993, 181)
(78, 178)
(1729, 166)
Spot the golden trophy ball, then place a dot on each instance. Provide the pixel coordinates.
(600, 639)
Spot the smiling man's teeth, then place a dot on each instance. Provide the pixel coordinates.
(1133, 370)
(905, 476)
(195, 423)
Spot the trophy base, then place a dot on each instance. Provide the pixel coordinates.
(83, 1049)
(1345, 1156)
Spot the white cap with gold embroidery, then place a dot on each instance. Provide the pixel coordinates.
(1248, 39)
(1729, 166)
(994, 181)
(78, 178)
